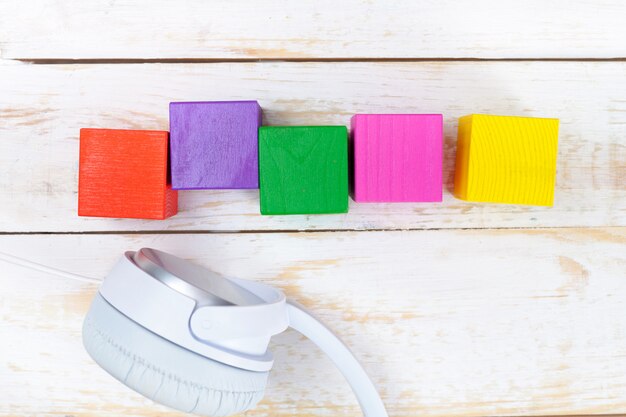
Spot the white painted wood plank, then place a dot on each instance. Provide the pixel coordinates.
(466, 323)
(45, 29)
(43, 108)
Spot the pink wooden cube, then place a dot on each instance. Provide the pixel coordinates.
(397, 157)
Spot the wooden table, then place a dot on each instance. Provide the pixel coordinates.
(454, 309)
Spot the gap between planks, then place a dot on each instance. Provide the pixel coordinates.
(573, 415)
(105, 61)
(303, 231)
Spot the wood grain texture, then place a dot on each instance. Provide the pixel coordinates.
(471, 323)
(48, 29)
(215, 144)
(504, 159)
(464, 323)
(397, 157)
(43, 108)
(124, 173)
(303, 169)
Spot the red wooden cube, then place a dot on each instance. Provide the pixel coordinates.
(124, 173)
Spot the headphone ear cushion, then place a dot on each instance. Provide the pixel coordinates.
(165, 372)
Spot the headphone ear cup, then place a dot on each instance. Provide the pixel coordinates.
(165, 372)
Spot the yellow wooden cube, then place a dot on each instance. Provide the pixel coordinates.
(506, 159)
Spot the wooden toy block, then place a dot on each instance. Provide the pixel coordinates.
(303, 169)
(123, 173)
(506, 159)
(214, 145)
(397, 157)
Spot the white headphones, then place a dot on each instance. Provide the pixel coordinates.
(193, 340)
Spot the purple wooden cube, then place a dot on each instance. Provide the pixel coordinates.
(214, 144)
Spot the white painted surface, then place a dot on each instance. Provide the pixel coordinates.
(448, 322)
(230, 29)
(469, 323)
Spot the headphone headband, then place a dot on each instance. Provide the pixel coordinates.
(202, 321)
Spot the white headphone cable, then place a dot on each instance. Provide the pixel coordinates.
(16, 260)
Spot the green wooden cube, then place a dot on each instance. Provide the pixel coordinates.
(303, 169)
